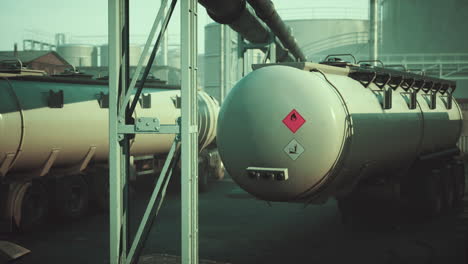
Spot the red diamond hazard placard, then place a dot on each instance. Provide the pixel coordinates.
(294, 121)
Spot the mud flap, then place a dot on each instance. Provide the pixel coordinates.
(10, 251)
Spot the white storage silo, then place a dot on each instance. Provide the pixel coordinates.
(78, 55)
(135, 53)
(220, 60)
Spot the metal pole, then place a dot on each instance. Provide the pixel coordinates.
(272, 49)
(115, 180)
(136, 75)
(381, 25)
(125, 142)
(241, 55)
(121, 129)
(227, 62)
(374, 29)
(222, 55)
(164, 46)
(189, 132)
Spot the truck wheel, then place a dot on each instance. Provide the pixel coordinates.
(72, 196)
(345, 211)
(448, 188)
(100, 187)
(351, 210)
(31, 206)
(218, 171)
(203, 176)
(459, 181)
(431, 200)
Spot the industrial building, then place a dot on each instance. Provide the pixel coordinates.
(49, 61)
(256, 131)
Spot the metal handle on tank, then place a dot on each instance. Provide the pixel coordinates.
(379, 61)
(343, 54)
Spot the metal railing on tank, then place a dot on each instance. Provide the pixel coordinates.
(453, 66)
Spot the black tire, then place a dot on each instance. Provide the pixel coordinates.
(218, 171)
(72, 196)
(34, 207)
(203, 177)
(345, 211)
(458, 170)
(431, 202)
(352, 210)
(448, 188)
(100, 188)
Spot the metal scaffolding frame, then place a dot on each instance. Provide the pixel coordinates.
(123, 127)
(42, 45)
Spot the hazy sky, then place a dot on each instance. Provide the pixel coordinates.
(86, 20)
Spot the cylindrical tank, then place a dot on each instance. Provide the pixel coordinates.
(400, 22)
(172, 73)
(221, 60)
(78, 55)
(326, 131)
(32, 132)
(135, 53)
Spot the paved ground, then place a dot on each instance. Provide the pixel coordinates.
(238, 229)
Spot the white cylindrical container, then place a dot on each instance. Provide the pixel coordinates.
(78, 55)
(135, 53)
(326, 130)
(33, 132)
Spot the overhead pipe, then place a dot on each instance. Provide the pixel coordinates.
(241, 18)
(266, 11)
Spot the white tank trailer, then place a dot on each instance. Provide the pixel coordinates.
(57, 129)
(305, 132)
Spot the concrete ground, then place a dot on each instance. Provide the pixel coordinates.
(239, 229)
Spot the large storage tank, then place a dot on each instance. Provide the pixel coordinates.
(434, 40)
(422, 22)
(288, 133)
(171, 71)
(339, 35)
(135, 53)
(222, 65)
(79, 55)
(53, 125)
(172, 60)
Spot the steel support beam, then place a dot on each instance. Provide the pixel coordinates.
(189, 131)
(158, 20)
(164, 50)
(229, 66)
(240, 55)
(223, 64)
(154, 205)
(117, 182)
(122, 128)
(374, 18)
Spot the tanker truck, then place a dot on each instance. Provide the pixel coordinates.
(54, 144)
(305, 132)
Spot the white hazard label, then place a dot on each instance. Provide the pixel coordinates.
(294, 149)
